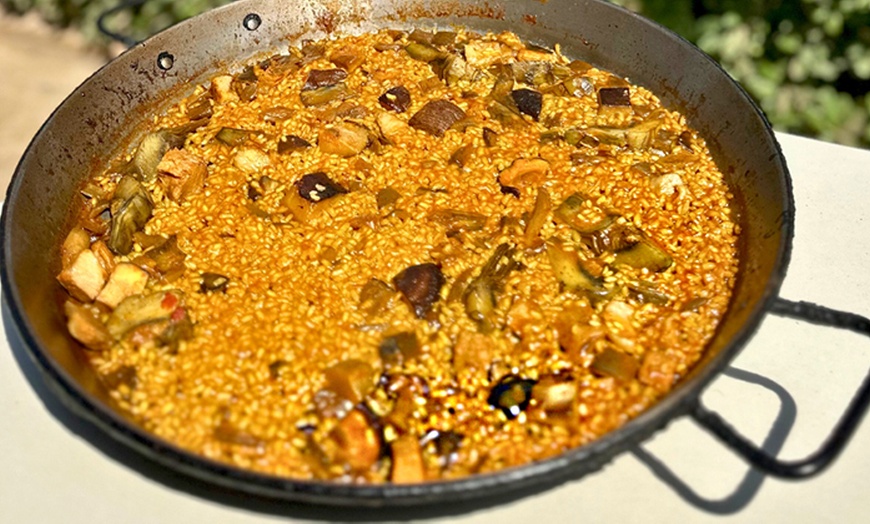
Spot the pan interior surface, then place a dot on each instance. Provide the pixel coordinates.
(95, 123)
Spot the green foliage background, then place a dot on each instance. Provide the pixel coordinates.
(806, 62)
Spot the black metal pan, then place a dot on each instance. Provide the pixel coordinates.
(94, 123)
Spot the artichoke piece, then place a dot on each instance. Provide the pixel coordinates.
(584, 219)
(245, 84)
(645, 254)
(539, 215)
(423, 51)
(436, 117)
(319, 78)
(566, 266)
(511, 395)
(490, 137)
(458, 220)
(480, 295)
(137, 310)
(131, 209)
(396, 349)
(375, 297)
(324, 95)
(420, 285)
(462, 155)
(387, 197)
(168, 258)
(396, 99)
(143, 165)
(232, 136)
(613, 363)
(351, 379)
(292, 143)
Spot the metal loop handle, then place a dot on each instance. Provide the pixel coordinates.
(128, 41)
(842, 432)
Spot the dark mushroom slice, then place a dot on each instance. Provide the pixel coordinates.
(462, 155)
(318, 78)
(613, 363)
(131, 209)
(420, 285)
(213, 283)
(316, 187)
(396, 99)
(614, 96)
(436, 117)
(511, 395)
(528, 101)
(291, 143)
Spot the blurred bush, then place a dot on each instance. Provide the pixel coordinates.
(806, 62)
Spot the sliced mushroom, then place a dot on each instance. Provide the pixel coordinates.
(528, 101)
(420, 285)
(436, 117)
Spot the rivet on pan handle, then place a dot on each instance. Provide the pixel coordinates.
(842, 432)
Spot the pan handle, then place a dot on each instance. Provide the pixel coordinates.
(842, 432)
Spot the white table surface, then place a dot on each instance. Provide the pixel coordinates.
(57, 468)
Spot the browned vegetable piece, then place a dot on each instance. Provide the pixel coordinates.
(232, 136)
(614, 96)
(347, 59)
(407, 461)
(226, 432)
(396, 349)
(181, 173)
(452, 69)
(168, 258)
(213, 283)
(200, 108)
(291, 143)
(539, 216)
(613, 363)
(423, 51)
(126, 280)
(245, 84)
(528, 101)
(318, 78)
(396, 99)
(84, 278)
(317, 187)
(131, 209)
(324, 95)
(137, 310)
(646, 293)
(462, 156)
(359, 445)
(420, 285)
(524, 171)
(393, 129)
(566, 266)
(75, 242)
(344, 139)
(554, 395)
(444, 38)
(351, 379)
(436, 117)
(472, 352)
(458, 220)
(490, 137)
(311, 51)
(479, 296)
(387, 197)
(85, 326)
(583, 218)
(375, 296)
(645, 254)
(143, 165)
(421, 36)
